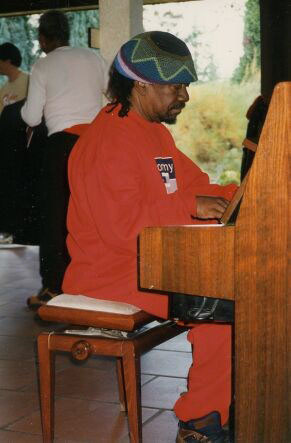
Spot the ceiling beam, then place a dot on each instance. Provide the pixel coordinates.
(25, 7)
(155, 2)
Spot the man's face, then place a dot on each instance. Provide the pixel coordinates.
(42, 43)
(162, 103)
(45, 44)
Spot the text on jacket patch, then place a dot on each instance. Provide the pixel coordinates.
(166, 168)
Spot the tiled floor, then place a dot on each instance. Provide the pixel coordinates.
(87, 408)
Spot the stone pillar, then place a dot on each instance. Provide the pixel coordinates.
(119, 21)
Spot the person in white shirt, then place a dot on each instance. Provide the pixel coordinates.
(66, 87)
(15, 89)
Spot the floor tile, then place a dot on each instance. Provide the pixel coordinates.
(21, 327)
(162, 392)
(179, 343)
(169, 363)
(16, 348)
(16, 405)
(161, 429)
(14, 309)
(17, 295)
(95, 361)
(82, 382)
(146, 378)
(16, 375)
(18, 437)
(83, 421)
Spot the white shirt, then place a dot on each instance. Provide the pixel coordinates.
(66, 87)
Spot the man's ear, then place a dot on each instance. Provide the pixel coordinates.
(140, 87)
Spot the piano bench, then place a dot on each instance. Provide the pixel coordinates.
(124, 331)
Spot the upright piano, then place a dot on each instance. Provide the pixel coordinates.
(247, 262)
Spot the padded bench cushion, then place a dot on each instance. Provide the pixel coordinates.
(78, 310)
(92, 304)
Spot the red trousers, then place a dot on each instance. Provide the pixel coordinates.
(209, 378)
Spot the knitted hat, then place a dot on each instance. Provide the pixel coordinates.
(156, 57)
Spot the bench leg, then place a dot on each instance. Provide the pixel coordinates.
(131, 368)
(46, 386)
(121, 386)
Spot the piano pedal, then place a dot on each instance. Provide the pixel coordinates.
(196, 308)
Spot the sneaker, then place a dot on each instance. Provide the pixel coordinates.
(41, 298)
(206, 429)
(6, 238)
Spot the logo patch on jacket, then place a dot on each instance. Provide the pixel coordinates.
(166, 168)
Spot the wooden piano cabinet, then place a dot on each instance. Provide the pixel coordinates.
(169, 260)
(262, 292)
(250, 263)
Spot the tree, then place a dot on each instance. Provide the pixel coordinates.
(80, 22)
(250, 61)
(20, 32)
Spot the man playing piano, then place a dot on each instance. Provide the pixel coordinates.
(126, 173)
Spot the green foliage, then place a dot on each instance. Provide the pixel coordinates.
(211, 128)
(250, 61)
(80, 22)
(20, 32)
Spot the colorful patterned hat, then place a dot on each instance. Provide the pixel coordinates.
(156, 57)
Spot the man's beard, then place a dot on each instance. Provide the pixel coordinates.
(169, 119)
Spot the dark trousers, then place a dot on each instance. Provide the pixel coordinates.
(12, 155)
(55, 193)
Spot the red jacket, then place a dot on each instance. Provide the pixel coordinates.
(125, 174)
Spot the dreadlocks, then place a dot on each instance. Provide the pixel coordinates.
(119, 91)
